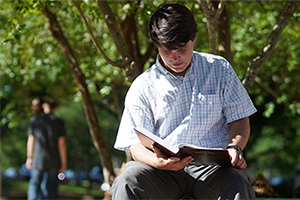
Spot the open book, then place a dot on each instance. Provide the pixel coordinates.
(202, 156)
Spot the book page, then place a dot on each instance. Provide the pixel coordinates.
(202, 156)
(147, 139)
(184, 145)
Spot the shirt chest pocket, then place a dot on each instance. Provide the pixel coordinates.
(207, 109)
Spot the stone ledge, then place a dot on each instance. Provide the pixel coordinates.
(277, 198)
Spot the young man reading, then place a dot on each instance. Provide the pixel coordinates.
(185, 97)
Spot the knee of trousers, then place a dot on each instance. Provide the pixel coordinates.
(132, 180)
(236, 180)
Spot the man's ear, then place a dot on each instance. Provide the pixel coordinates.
(194, 40)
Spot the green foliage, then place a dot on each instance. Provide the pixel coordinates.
(269, 110)
(277, 144)
(13, 145)
(33, 64)
(273, 143)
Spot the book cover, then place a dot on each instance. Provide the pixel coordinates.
(202, 156)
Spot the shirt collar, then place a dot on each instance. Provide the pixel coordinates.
(162, 70)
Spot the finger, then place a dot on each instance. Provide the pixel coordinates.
(186, 160)
(158, 152)
(241, 164)
(244, 164)
(174, 159)
(178, 163)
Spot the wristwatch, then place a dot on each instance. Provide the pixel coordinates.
(236, 147)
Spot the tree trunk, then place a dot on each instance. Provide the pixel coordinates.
(88, 104)
(130, 35)
(223, 25)
(210, 27)
(212, 16)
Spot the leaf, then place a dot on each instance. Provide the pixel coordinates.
(22, 26)
(6, 41)
(127, 6)
(17, 36)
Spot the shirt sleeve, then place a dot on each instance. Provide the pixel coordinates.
(31, 126)
(136, 112)
(62, 129)
(237, 103)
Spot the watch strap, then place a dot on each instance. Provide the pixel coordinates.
(236, 147)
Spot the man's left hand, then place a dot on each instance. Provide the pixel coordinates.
(237, 160)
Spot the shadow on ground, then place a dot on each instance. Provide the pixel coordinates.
(16, 194)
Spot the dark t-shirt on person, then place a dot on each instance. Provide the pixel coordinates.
(46, 129)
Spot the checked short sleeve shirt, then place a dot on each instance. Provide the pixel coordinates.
(193, 109)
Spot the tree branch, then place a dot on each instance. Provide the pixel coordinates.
(118, 108)
(256, 63)
(219, 10)
(131, 69)
(270, 91)
(118, 63)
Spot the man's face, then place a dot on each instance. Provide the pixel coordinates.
(36, 107)
(177, 61)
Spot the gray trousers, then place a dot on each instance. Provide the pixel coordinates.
(140, 181)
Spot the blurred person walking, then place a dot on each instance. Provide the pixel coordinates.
(36, 109)
(46, 151)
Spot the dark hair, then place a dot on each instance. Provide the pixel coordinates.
(172, 26)
(40, 99)
(51, 102)
(36, 105)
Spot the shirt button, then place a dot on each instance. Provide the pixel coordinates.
(189, 101)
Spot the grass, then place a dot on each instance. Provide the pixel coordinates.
(94, 189)
(73, 189)
(22, 185)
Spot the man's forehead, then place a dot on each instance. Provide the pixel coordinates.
(176, 48)
(36, 102)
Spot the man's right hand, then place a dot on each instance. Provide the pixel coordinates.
(170, 163)
(158, 159)
(29, 163)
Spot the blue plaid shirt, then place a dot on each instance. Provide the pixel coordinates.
(194, 109)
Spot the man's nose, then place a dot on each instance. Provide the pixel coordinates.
(175, 55)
